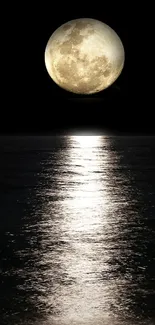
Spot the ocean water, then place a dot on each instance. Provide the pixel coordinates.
(77, 230)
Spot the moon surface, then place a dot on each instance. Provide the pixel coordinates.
(84, 56)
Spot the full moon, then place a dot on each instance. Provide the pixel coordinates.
(84, 56)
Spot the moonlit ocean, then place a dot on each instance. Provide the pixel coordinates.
(77, 230)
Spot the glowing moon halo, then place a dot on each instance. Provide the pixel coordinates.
(84, 56)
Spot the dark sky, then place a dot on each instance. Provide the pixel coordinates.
(34, 104)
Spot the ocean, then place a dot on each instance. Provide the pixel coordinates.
(77, 230)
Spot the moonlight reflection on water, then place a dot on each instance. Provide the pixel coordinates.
(83, 223)
(83, 249)
(83, 229)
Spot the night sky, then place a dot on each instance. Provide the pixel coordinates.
(34, 104)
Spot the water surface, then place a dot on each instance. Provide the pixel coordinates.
(77, 230)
